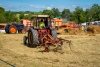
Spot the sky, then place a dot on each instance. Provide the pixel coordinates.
(40, 5)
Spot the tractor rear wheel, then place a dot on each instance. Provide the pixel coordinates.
(33, 38)
(12, 29)
(54, 33)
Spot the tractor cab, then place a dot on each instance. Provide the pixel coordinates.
(37, 19)
(46, 21)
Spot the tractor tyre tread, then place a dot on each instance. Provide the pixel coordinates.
(34, 35)
(25, 39)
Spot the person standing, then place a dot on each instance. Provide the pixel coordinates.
(56, 25)
(52, 23)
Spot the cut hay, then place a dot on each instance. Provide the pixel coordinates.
(71, 31)
(93, 29)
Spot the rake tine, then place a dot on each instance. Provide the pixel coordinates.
(70, 45)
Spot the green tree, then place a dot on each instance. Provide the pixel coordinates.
(2, 18)
(37, 13)
(48, 12)
(21, 16)
(95, 11)
(79, 15)
(27, 16)
(2, 15)
(8, 16)
(2, 10)
(13, 17)
(89, 15)
(56, 12)
(66, 14)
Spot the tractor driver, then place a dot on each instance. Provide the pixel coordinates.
(41, 24)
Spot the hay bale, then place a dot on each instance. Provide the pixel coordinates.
(70, 31)
(61, 31)
(93, 29)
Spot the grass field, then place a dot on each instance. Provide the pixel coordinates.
(85, 52)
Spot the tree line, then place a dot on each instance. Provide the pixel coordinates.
(78, 15)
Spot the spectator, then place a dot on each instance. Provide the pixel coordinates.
(56, 25)
(52, 23)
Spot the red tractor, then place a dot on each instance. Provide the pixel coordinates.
(42, 37)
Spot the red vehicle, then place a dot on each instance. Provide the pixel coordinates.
(42, 37)
(35, 33)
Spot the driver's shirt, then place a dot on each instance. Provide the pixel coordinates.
(41, 24)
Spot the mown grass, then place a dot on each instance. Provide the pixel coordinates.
(85, 52)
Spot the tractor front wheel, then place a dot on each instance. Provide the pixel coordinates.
(12, 29)
(33, 38)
